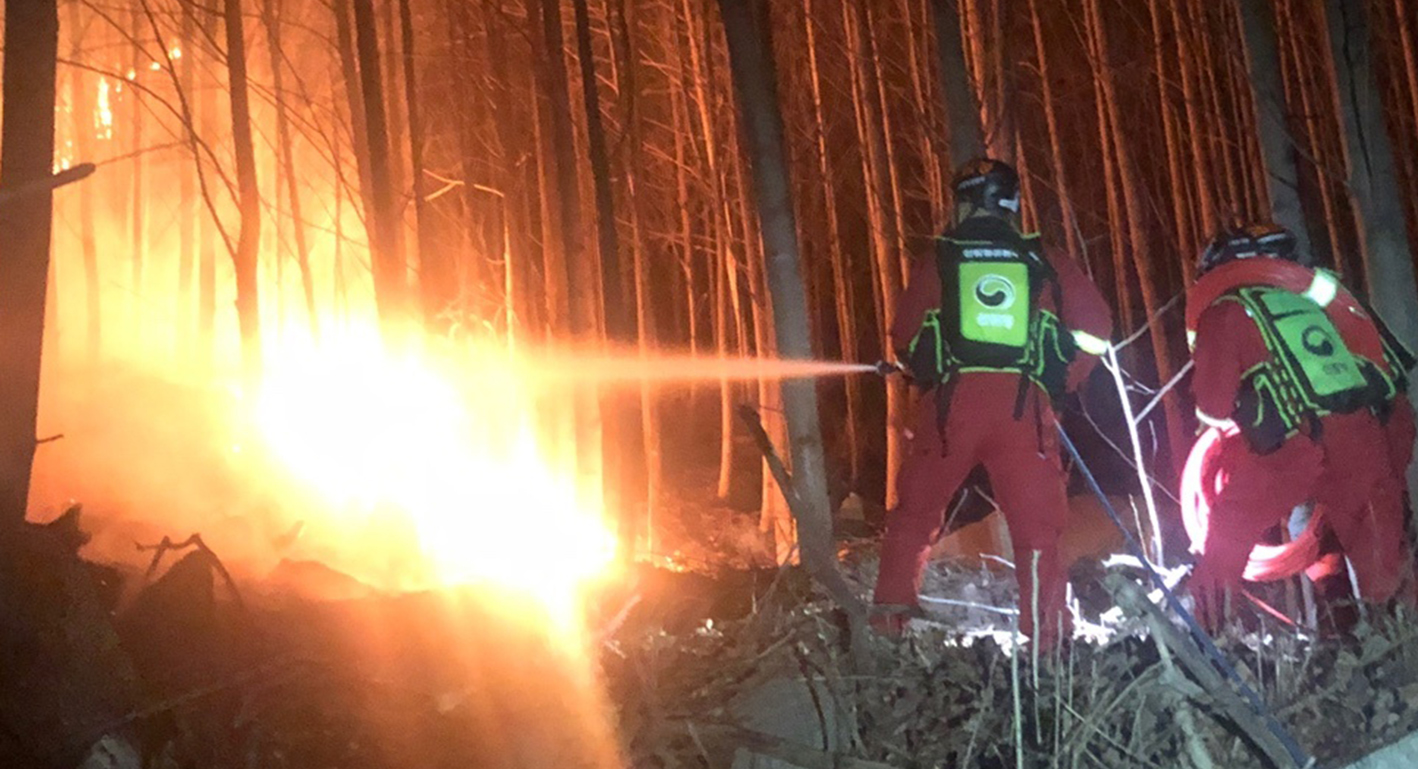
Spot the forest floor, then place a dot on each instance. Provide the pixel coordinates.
(740, 666)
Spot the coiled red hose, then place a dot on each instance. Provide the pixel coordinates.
(1203, 478)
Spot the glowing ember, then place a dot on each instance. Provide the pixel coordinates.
(418, 454)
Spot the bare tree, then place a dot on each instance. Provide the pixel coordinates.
(620, 411)
(1373, 182)
(1263, 60)
(383, 220)
(762, 125)
(272, 17)
(246, 256)
(26, 157)
(967, 137)
(83, 114)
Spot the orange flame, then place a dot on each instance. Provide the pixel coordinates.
(444, 453)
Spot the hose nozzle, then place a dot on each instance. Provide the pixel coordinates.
(887, 368)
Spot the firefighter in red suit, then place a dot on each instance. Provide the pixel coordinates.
(1272, 362)
(992, 328)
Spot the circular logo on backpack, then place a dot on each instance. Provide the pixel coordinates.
(995, 292)
(1316, 340)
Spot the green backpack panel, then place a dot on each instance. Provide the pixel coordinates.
(1309, 372)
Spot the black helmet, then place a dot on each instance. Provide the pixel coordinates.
(987, 184)
(1273, 241)
(1228, 245)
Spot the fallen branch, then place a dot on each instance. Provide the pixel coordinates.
(1223, 698)
(823, 566)
(167, 545)
(47, 184)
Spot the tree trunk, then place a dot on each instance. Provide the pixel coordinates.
(1142, 256)
(83, 115)
(26, 155)
(885, 256)
(383, 221)
(626, 35)
(727, 295)
(273, 16)
(563, 145)
(1196, 126)
(359, 131)
(620, 410)
(208, 234)
(138, 225)
(1056, 151)
(1122, 287)
(1388, 256)
(1305, 86)
(581, 325)
(510, 132)
(246, 255)
(190, 210)
(433, 269)
(844, 290)
(1176, 182)
(762, 124)
(1282, 176)
(967, 139)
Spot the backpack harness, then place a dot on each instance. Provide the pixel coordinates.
(1308, 372)
(989, 318)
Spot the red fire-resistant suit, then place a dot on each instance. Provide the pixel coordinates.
(1020, 455)
(1346, 469)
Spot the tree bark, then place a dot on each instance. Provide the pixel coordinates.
(1282, 175)
(1196, 126)
(83, 115)
(725, 280)
(246, 256)
(1388, 256)
(26, 155)
(1142, 256)
(273, 17)
(844, 301)
(967, 138)
(762, 124)
(137, 189)
(1056, 151)
(885, 255)
(191, 207)
(620, 410)
(1176, 181)
(580, 322)
(382, 221)
(359, 132)
(627, 38)
(1117, 250)
(433, 272)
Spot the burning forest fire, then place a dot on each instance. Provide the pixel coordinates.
(437, 462)
(400, 383)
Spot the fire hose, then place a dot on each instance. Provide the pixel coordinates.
(1202, 480)
(1198, 634)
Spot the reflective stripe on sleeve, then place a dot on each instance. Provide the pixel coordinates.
(1323, 288)
(1090, 344)
(1210, 421)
